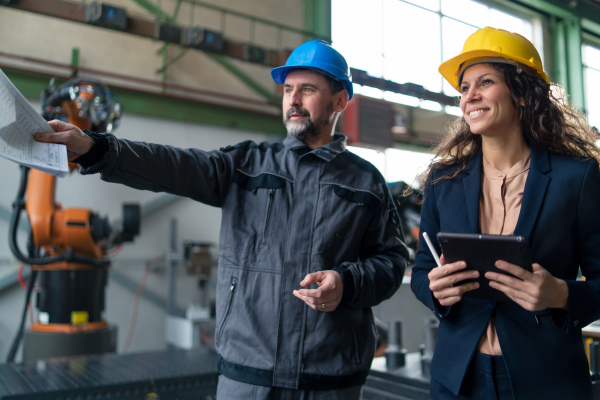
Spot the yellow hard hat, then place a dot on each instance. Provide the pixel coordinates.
(498, 45)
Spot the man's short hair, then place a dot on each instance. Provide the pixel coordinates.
(335, 85)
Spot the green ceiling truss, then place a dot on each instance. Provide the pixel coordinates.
(31, 85)
(317, 19)
(245, 78)
(567, 62)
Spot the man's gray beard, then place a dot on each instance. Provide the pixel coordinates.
(302, 129)
(309, 128)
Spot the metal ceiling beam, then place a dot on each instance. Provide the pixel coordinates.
(588, 11)
(361, 77)
(567, 58)
(178, 103)
(137, 26)
(568, 21)
(325, 35)
(241, 75)
(564, 9)
(317, 18)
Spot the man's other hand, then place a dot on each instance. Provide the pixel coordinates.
(329, 294)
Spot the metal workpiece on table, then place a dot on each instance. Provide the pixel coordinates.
(426, 349)
(395, 353)
(594, 360)
(406, 382)
(402, 375)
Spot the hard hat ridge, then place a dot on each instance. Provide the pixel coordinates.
(317, 55)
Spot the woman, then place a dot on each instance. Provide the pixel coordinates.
(520, 161)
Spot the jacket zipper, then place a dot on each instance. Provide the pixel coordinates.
(228, 309)
(269, 203)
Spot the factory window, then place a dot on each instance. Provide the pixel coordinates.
(591, 76)
(406, 40)
(396, 165)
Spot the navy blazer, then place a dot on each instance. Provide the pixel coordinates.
(560, 215)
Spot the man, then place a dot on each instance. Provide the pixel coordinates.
(305, 212)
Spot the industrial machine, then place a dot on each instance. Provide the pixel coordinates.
(68, 247)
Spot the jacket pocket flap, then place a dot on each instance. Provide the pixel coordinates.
(359, 197)
(252, 183)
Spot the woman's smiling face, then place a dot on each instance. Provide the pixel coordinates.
(486, 101)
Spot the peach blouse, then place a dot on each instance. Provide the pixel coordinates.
(499, 207)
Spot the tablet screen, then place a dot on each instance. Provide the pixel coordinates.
(481, 252)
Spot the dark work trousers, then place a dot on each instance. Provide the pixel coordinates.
(232, 390)
(486, 379)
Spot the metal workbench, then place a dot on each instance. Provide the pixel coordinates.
(174, 374)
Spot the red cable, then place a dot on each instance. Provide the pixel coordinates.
(22, 283)
(116, 250)
(136, 304)
(20, 275)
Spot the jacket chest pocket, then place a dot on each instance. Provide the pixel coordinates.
(359, 198)
(346, 216)
(258, 207)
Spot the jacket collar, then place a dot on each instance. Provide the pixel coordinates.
(327, 152)
(533, 195)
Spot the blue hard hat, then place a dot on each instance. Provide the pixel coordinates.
(320, 56)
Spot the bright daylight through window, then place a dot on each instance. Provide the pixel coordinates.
(405, 41)
(591, 74)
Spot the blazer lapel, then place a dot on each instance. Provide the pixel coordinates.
(472, 187)
(535, 191)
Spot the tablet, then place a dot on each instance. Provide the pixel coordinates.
(481, 252)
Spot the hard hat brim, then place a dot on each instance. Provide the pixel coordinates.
(278, 74)
(451, 70)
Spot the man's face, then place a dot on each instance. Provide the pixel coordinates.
(307, 104)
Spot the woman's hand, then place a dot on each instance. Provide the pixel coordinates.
(442, 282)
(534, 291)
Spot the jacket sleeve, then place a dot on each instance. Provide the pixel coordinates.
(424, 261)
(378, 273)
(200, 175)
(584, 295)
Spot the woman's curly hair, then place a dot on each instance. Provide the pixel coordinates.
(547, 121)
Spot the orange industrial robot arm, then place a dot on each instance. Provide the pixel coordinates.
(68, 247)
(55, 229)
(73, 234)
